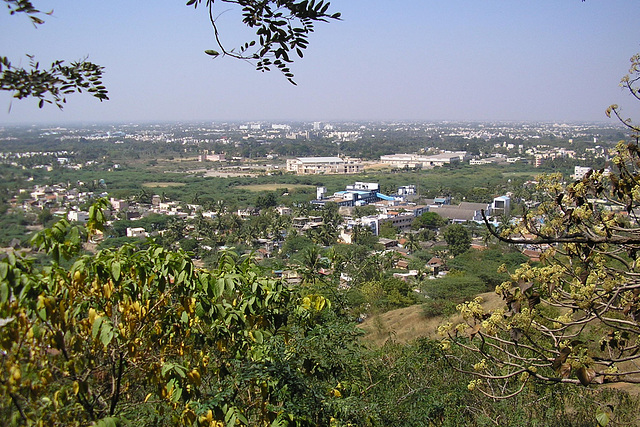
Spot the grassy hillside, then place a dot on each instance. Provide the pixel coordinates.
(405, 324)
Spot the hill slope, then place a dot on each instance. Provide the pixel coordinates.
(406, 324)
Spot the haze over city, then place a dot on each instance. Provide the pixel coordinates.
(412, 60)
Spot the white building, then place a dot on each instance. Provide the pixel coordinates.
(417, 160)
(119, 204)
(407, 190)
(78, 216)
(501, 206)
(323, 165)
(579, 172)
(136, 232)
(363, 186)
(284, 210)
(212, 157)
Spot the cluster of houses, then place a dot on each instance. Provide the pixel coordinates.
(66, 201)
(400, 210)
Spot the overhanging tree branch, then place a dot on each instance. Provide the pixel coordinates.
(282, 29)
(51, 86)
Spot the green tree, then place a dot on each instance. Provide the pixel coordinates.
(141, 336)
(457, 238)
(366, 210)
(362, 235)
(310, 262)
(324, 235)
(44, 216)
(387, 230)
(267, 200)
(573, 318)
(327, 233)
(430, 220)
(295, 243)
(413, 242)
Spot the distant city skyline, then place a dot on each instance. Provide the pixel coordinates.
(416, 60)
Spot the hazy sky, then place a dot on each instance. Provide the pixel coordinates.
(538, 60)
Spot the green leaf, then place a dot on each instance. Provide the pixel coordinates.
(11, 257)
(218, 287)
(200, 312)
(4, 292)
(4, 269)
(242, 418)
(166, 368)
(108, 422)
(603, 418)
(41, 309)
(211, 52)
(115, 270)
(177, 393)
(180, 370)
(25, 290)
(230, 283)
(106, 334)
(230, 417)
(258, 337)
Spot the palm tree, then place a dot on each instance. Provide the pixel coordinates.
(301, 209)
(143, 196)
(413, 242)
(359, 232)
(309, 264)
(325, 235)
(338, 263)
(280, 224)
(375, 266)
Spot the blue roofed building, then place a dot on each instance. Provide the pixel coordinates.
(358, 194)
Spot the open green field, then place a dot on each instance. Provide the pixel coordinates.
(273, 187)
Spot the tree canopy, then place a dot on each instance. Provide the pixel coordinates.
(458, 239)
(142, 334)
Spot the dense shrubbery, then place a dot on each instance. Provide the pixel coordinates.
(140, 336)
(472, 273)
